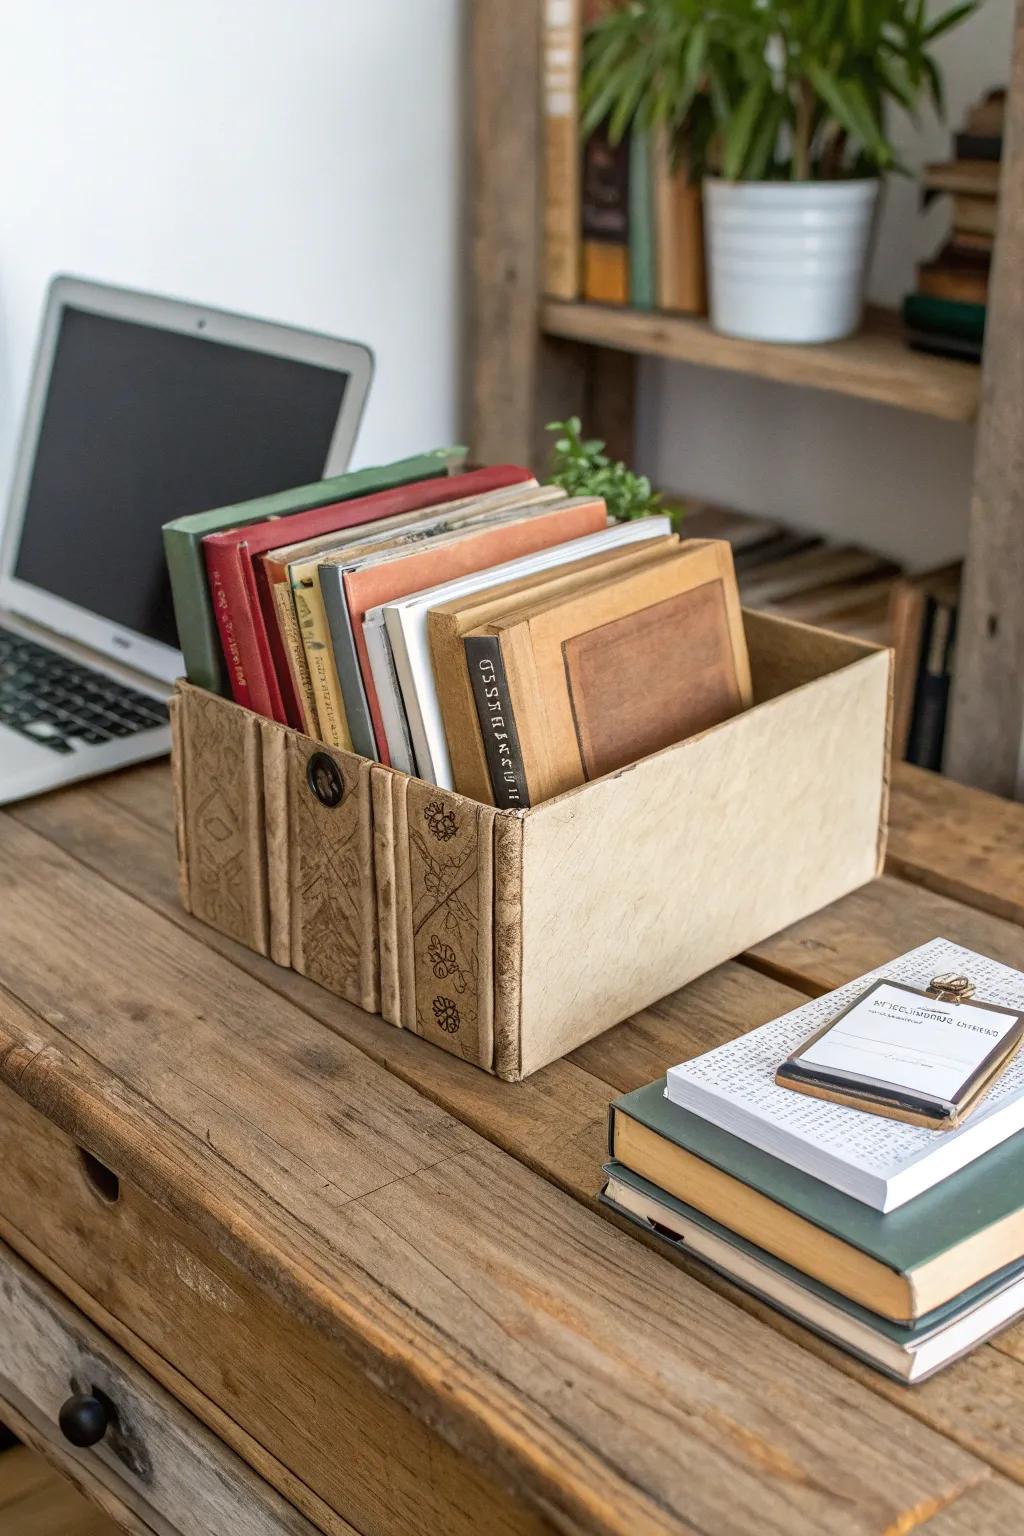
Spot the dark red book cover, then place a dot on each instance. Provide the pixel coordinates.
(230, 569)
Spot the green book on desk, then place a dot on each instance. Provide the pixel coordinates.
(901, 1264)
(909, 1353)
(197, 628)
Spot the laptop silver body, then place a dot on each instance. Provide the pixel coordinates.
(140, 409)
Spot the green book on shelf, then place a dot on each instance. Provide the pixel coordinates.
(641, 223)
(909, 1353)
(197, 628)
(946, 317)
(902, 1264)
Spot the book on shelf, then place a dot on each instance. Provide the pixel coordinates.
(230, 555)
(572, 688)
(198, 631)
(923, 662)
(414, 637)
(972, 178)
(958, 272)
(604, 218)
(908, 1351)
(880, 1162)
(678, 217)
(975, 213)
(561, 148)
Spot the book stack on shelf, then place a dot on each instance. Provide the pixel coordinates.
(902, 1244)
(478, 630)
(799, 575)
(622, 223)
(946, 314)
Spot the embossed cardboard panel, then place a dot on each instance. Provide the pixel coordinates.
(333, 899)
(220, 791)
(384, 785)
(448, 921)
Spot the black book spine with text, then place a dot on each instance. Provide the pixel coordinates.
(497, 721)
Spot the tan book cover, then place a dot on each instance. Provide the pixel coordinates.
(562, 30)
(974, 215)
(588, 683)
(449, 622)
(681, 283)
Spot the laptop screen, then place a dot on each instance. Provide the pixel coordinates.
(142, 425)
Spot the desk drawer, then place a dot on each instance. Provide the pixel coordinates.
(289, 1398)
(151, 1456)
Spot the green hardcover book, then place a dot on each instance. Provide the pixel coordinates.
(197, 627)
(641, 223)
(908, 1353)
(945, 317)
(902, 1264)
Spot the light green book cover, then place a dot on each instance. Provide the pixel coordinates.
(193, 613)
(985, 1192)
(641, 223)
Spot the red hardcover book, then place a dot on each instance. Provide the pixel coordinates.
(230, 568)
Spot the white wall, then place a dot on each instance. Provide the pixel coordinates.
(291, 159)
(897, 481)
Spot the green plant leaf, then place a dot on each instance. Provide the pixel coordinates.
(741, 129)
(949, 19)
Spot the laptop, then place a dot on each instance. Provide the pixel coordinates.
(140, 410)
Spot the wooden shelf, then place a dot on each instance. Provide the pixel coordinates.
(876, 364)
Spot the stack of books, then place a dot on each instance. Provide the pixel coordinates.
(479, 630)
(622, 224)
(799, 575)
(946, 314)
(902, 1244)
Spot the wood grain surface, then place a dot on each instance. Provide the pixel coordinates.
(36, 1501)
(154, 1458)
(986, 725)
(430, 1230)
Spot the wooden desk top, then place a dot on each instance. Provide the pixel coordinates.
(442, 1225)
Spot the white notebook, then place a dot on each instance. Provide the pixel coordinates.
(882, 1162)
(407, 632)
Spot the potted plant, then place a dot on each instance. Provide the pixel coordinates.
(780, 106)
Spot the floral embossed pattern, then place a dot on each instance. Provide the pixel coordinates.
(443, 870)
(446, 1015)
(441, 821)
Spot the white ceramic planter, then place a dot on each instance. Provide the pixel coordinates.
(787, 260)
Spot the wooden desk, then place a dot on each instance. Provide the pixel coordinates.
(347, 1282)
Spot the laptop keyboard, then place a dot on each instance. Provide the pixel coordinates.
(62, 704)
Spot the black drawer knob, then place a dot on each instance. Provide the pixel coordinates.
(83, 1419)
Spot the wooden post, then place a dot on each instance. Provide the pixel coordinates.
(986, 734)
(520, 378)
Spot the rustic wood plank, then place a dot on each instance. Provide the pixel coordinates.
(155, 1458)
(876, 364)
(994, 1508)
(555, 1123)
(986, 727)
(36, 1501)
(960, 842)
(518, 378)
(460, 1333)
(872, 925)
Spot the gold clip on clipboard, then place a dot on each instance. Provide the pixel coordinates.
(924, 1055)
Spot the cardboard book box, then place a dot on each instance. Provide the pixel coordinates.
(511, 937)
